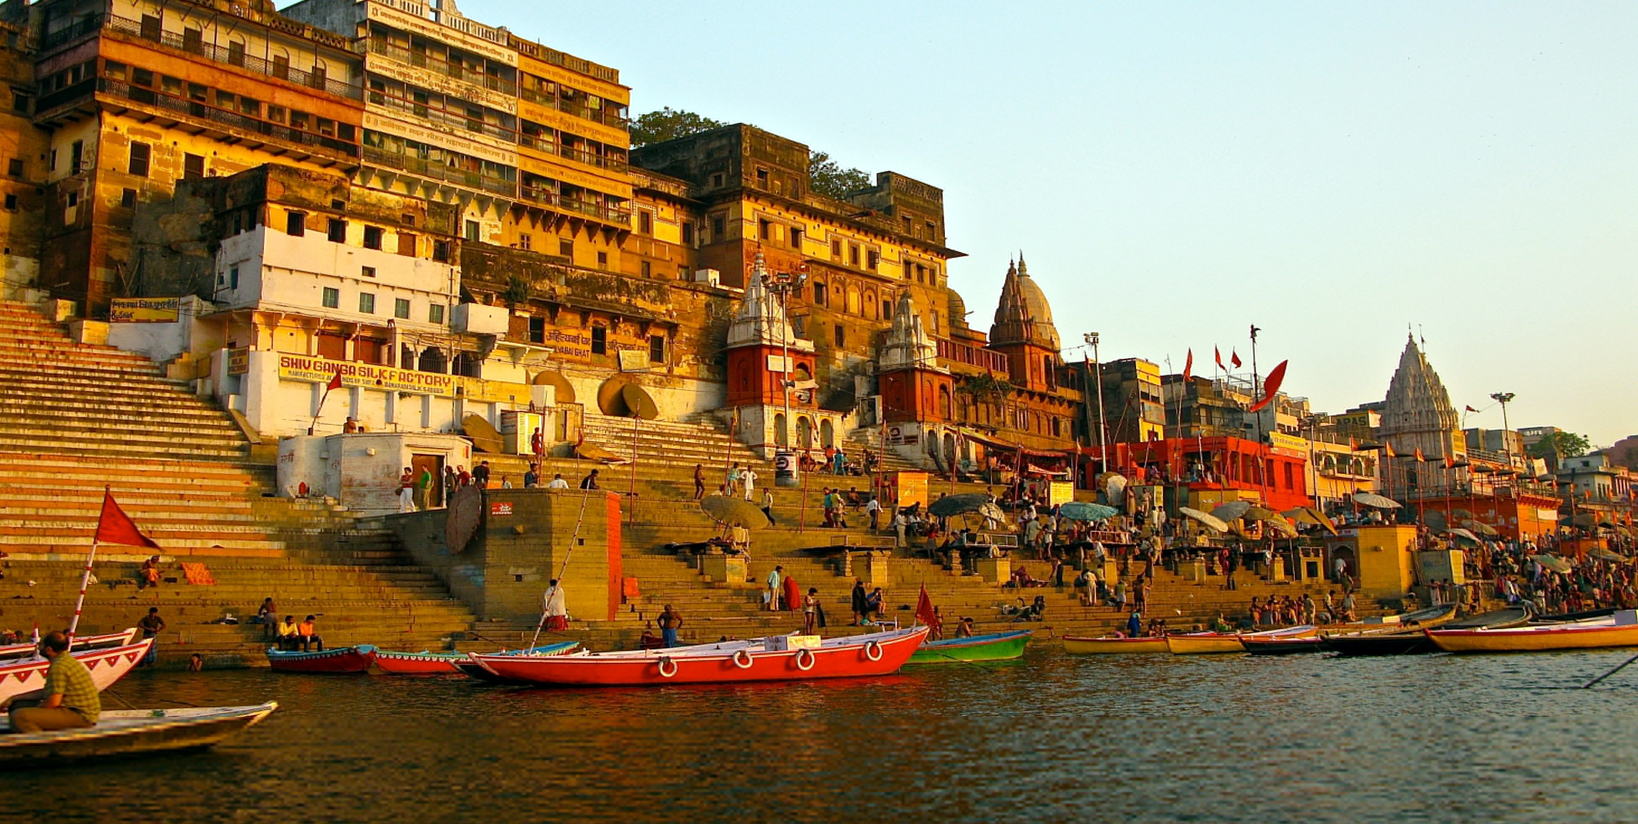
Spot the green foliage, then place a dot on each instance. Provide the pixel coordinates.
(1561, 444)
(517, 291)
(985, 388)
(828, 178)
(668, 124)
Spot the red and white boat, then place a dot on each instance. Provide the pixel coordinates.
(107, 665)
(779, 658)
(341, 660)
(9, 652)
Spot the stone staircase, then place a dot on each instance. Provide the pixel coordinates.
(76, 419)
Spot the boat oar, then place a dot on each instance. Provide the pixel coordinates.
(1623, 666)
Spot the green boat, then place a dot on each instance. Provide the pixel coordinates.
(997, 646)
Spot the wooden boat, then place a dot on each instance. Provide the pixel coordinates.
(1283, 646)
(1619, 630)
(877, 653)
(123, 733)
(438, 663)
(1112, 645)
(107, 665)
(996, 646)
(1208, 643)
(81, 642)
(341, 660)
(1409, 640)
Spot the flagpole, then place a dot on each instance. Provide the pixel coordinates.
(85, 583)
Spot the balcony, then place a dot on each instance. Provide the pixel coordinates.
(456, 123)
(553, 147)
(553, 200)
(971, 355)
(552, 101)
(239, 126)
(441, 171)
(456, 71)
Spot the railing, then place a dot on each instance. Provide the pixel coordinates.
(971, 355)
(199, 110)
(581, 155)
(72, 32)
(567, 61)
(549, 198)
(552, 101)
(455, 120)
(441, 171)
(65, 95)
(238, 59)
(452, 70)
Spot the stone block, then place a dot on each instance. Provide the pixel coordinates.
(876, 572)
(1194, 571)
(730, 569)
(994, 570)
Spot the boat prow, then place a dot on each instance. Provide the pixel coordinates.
(996, 646)
(123, 733)
(338, 661)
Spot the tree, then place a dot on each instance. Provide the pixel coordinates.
(828, 178)
(1559, 445)
(668, 124)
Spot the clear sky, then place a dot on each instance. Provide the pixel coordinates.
(1175, 172)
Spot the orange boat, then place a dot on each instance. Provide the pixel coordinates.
(1112, 645)
(1618, 630)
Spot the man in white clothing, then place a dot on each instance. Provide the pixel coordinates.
(556, 606)
(558, 482)
(748, 479)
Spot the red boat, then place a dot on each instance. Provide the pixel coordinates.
(436, 663)
(107, 665)
(329, 662)
(779, 658)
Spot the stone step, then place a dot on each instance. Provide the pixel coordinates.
(14, 442)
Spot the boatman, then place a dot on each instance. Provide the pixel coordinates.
(69, 699)
(556, 608)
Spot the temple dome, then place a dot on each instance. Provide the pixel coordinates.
(957, 309)
(1023, 315)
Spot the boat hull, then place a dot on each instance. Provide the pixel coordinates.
(338, 661)
(125, 733)
(1000, 646)
(1535, 639)
(1397, 643)
(13, 652)
(443, 663)
(1203, 644)
(838, 658)
(1282, 646)
(1113, 646)
(106, 666)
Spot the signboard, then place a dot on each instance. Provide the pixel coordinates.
(1060, 492)
(500, 509)
(633, 360)
(145, 310)
(898, 437)
(238, 361)
(319, 370)
(575, 344)
(1288, 445)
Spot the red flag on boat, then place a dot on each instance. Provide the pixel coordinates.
(335, 382)
(1188, 365)
(924, 610)
(115, 527)
(1234, 358)
(1270, 386)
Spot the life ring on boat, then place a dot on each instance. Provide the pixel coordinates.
(667, 662)
(742, 659)
(873, 650)
(804, 659)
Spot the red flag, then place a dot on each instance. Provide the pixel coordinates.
(1271, 385)
(1353, 443)
(115, 527)
(1471, 409)
(1234, 358)
(1420, 458)
(1387, 450)
(1218, 354)
(924, 610)
(335, 382)
(1188, 366)
(1450, 461)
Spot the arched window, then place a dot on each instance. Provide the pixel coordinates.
(780, 435)
(827, 434)
(944, 402)
(870, 306)
(432, 360)
(804, 432)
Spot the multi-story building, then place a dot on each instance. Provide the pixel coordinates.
(24, 151)
(139, 95)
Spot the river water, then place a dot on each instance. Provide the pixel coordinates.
(1050, 738)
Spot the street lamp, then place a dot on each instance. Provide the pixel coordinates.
(1507, 443)
(1103, 434)
(782, 285)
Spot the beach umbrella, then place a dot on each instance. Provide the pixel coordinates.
(1481, 527)
(1603, 554)
(1310, 515)
(958, 504)
(1459, 512)
(1555, 564)
(990, 511)
(1463, 534)
(1280, 526)
(1114, 487)
(1231, 510)
(1375, 501)
(1205, 519)
(1082, 511)
(734, 511)
(1436, 520)
(1261, 513)
(1586, 519)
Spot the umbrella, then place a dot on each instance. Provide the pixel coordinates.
(1482, 528)
(1375, 501)
(1231, 510)
(957, 504)
(1310, 515)
(1261, 513)
(1603, 554)
(1459, 512)
(1114, 486)
(1436, 519)
(734, 511)
(1081, 511)
(1204, 519)
(1558, 565)
(1584, 519)
(990, 511)
(1463, 534)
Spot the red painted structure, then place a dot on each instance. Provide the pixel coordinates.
(1216, 464)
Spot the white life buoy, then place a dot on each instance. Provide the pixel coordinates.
(742, 659)
(667, 662)
(873, 650)
(804, 659)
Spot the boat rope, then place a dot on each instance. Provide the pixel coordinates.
(579, 519)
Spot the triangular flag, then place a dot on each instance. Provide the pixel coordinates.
(1271, 386)
(1387, 450)
(1218, 354)
(1471, 409)
(1188, 366)
(1450, 461)
(1420, 458)
(335, 382)
(1234, 358)
(924, 610)
(115, 527)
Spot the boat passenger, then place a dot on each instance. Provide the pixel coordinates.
(307, 635)
(68, 700)
(965, 628)
(287, 633)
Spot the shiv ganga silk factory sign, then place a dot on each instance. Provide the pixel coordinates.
(309, 369)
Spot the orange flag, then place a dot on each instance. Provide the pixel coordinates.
(1387, 450)
(115, 527)
(1450, 461)
(1271, 386)
(1188, 365)
(1420, 458)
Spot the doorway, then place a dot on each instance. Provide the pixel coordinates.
(435, 465)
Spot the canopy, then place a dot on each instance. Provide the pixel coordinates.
(734, 511)
(957, 504)
(1375, 501)
(1203, 518)
(1555, 564)
(1081, 511)
(1482, 528)
(1231, 510)
(1463, 534)
(1310, 515)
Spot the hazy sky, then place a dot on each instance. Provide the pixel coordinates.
(1175, 172)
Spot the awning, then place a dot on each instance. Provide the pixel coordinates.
(1012, 448)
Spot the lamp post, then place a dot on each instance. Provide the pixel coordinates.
(782, 285)
(1103, 434)
(1507, 443)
